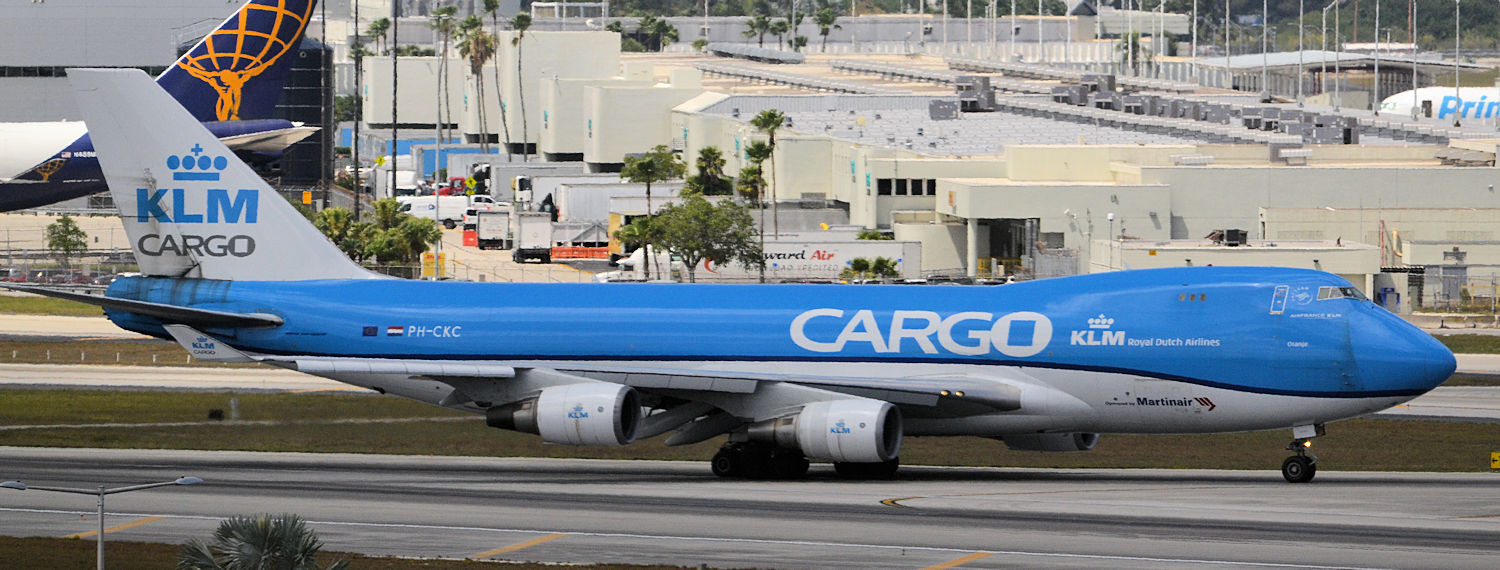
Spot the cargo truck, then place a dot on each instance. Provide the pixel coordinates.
(533, 237)
(493, 229)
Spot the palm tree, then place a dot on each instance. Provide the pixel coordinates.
(660, 31)
(825, 19)
(492, 7)
(655, 166)
(479, 46)
(265, 541)
(768, 121)
(378, 30)
(521, 22)
(442, 22)
(780, 28)
(756, 27)
(757, 153)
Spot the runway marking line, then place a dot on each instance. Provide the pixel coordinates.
(338, 389)
(960, 561)
(129, 525)
(896, 502)
(518, 546)
(741, 540)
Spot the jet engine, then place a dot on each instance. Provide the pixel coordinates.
(853, 431)
(1051, 441)
(575, 414)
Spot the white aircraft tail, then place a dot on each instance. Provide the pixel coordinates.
(190, 207)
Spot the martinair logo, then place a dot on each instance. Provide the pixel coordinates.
(1177, 402)
(260, 33)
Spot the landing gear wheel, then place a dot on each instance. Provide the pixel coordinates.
(728, 462)
(1299, 469)
(880, 470)
(788, 465)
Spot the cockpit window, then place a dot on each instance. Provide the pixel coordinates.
(1325, 293)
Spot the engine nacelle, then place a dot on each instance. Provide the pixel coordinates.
(1051, 441)
(575, 414)
(855, 431)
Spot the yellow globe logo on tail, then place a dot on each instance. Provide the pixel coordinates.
(47, 169)
(255, 38)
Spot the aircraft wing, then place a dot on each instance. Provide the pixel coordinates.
(274, 140)
(471, 376)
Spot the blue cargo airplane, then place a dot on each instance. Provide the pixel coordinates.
(230, 81)
(790, 373)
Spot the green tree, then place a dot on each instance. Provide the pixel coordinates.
(655, 166)
(780, 29)
(749, 183)
(861, 268)
(769, 121)
(442, 23)
(659, 31)
(66, 240)
(757, 27)
(492, 7)
(521, 22)
(710, 179)
(267, 541)
(387, 213)
(346, 108)
(826, 20)
(478, 46)
(378, 30)
(875, 235)
(697, 231)
(700, 45)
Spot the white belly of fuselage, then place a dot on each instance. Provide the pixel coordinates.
(24, 145)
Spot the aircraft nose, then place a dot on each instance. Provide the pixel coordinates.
(1394, 355)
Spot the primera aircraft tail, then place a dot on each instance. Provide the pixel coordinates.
(189, 207)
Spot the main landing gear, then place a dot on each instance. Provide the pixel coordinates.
(761, 461)
(758, 461)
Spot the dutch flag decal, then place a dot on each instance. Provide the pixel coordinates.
(394, 331)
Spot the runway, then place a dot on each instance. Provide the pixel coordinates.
(571, 511)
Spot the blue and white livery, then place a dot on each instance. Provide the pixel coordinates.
(790, 373)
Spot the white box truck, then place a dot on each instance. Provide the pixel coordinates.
(492, 228)
(533, 237)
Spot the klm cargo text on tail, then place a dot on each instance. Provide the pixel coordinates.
(219, 206)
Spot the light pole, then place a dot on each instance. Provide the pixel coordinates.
(1265, 55)
(1456, 46)
(1375, 102)
(1337, 41)
(1323, 35)
(100, 492)
(1300, 15)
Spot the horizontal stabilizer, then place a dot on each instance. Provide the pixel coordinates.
(170, 314)
(204, 347)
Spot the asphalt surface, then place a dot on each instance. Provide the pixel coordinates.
(576, 511)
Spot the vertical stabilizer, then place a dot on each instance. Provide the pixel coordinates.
(191, 208)
(237, 70)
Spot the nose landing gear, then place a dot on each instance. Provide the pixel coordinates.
(1299, 468)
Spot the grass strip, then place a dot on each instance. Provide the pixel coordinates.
(1471, 343)
(123, 352)
(1353, 445)
(42, 553)
(35, 305)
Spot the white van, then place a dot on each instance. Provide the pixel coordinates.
(447, 210)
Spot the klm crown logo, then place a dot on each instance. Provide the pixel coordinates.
(258, 35)
(206, 206)
(1101, 322)
(196, 165)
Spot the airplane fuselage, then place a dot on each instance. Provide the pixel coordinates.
(1177, 350)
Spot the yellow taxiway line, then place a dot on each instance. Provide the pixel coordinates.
(518, 546)
(129, 525)
(960, 561)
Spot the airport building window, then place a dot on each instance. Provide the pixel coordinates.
(906, 186)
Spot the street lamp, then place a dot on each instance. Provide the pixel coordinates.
(100, 492)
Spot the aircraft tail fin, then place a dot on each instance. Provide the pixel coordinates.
(190, 207)
(237, 70)
(204, 347)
